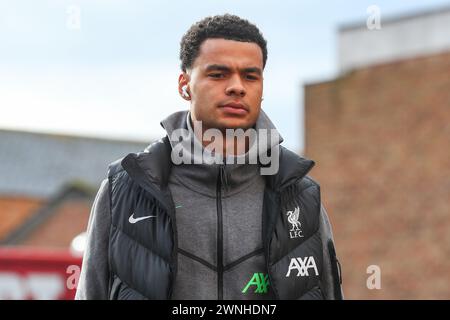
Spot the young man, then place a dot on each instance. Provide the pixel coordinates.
(200, 228)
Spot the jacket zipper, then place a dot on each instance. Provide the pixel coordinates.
(219, 234)
(267, 253)
(267, 250)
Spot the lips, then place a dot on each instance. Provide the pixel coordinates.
(235, 105)
(234, 108)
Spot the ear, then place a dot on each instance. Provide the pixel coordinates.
(183, 80)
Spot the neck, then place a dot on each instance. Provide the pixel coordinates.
(218, 140)
(232, 145)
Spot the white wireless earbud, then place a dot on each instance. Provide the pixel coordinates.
(185, 93)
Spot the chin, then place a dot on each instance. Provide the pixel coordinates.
(236, 124)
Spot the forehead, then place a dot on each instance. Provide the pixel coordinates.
(229, 52)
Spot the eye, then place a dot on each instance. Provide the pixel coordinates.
(251, 77)
(216, 75)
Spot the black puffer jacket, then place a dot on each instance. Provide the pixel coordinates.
(143, 264)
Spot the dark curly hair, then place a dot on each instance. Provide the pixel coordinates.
(227, 26)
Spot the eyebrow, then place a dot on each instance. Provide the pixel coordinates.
(227, 69)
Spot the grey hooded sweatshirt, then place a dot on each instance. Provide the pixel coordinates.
(220, 251)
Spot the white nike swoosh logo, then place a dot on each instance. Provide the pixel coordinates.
(134, 220)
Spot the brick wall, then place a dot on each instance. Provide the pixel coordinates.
(69, 220)
(380, 137)
(15, 210)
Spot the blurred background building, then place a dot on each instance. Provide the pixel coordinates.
(46, 192)
(380, 133)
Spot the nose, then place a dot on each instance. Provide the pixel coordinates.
(235, 87)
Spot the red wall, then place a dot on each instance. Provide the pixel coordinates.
(29, 273)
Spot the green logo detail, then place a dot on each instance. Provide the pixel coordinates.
(260, 280)
(179, 206)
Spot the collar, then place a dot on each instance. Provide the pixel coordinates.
(153, 165)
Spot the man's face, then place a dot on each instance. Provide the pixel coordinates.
(226, 84)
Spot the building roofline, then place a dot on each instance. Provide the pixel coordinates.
(70, 136)
(419, 13)
(311, 83)
(73, 190)
(372, 66)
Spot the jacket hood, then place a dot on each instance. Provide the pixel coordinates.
(200, 169)
(153, 165)
(268, 137)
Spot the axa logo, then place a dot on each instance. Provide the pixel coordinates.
(295, 231)
(260, 281)
(303, 266)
